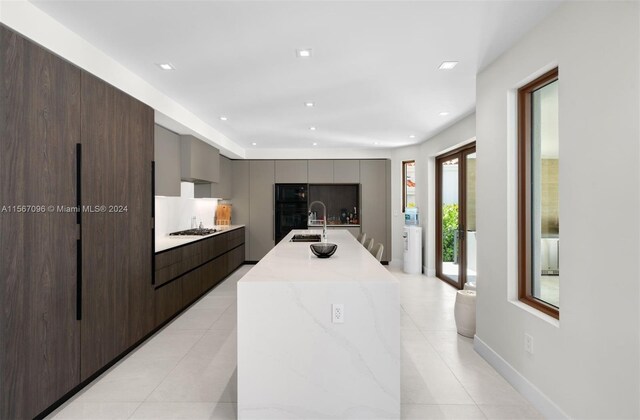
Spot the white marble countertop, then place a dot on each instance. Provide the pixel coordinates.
(294, 261)
(167, 242)
(296, 360)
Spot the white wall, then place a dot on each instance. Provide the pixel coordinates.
(587, 365)
(175, 213)
(460, 133)
(26, 19)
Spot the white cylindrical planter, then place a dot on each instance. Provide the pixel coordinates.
(412, 236)
(465, 312)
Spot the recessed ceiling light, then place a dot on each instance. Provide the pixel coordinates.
(309, 104)
(448, 65)
(254, 143)
(303, 52)
(315, 144)
(444, 113)
(412, 136)
(312, 128)
(376, 143)
(166, 66)
(223, 118)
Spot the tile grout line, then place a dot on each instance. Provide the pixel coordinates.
(179, 360)
(442, 360)
(186, 353)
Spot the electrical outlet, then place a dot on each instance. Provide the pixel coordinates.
(528, 343)
(337, 313)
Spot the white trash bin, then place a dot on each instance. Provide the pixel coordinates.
(465, 312)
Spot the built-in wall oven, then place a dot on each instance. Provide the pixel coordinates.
(291, 208)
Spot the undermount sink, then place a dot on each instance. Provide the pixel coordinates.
(306, 238)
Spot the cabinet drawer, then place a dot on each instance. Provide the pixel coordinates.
(168, 301)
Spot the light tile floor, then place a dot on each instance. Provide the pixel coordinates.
(188, 369)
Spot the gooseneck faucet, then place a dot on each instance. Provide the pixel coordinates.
(324, 221)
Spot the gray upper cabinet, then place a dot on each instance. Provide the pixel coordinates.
(346, 171)
(220, 189)
(320, 171)
(240, 198)
(261, 208)
(167, 157)
(291, 171)
(374, 217)
(199, 161)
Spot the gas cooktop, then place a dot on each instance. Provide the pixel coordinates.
(194, 232)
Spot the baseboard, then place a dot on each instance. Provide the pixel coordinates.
(536, 397)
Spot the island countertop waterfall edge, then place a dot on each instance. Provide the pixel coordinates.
(293, 360)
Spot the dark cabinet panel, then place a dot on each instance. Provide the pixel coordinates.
(192, 286)
(196, 267)
(117, 149)
(39, 129)
(134, 250)
(168, 301)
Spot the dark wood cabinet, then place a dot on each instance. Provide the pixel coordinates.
(168, 302)
(39, 129)
(76, 289)
(185, 273)
(117, 150)
(68, 307)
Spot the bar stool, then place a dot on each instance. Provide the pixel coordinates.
(369, 244)
(378, 251)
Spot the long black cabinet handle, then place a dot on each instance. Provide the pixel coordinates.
(79, 238)
(153, 222)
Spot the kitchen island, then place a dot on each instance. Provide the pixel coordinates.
(294, 359)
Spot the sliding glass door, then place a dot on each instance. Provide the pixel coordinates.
(455, 216)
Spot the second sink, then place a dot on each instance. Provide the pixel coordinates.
(306, 238)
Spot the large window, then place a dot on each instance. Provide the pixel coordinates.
(408, 184)
(538, 200)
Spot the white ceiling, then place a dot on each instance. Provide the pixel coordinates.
(373, 75)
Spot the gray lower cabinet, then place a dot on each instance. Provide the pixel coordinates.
(261, 208)
(321, 172)
(346, 171)
(291, 171)
(374, 217)
(240, 198)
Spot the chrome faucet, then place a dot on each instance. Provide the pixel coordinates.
(324, 221)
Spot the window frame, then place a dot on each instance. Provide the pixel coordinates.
(404, 182)
(525, 194)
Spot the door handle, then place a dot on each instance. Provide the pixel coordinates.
(153, 222)
(79, 234)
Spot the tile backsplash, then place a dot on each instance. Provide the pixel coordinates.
(175, 213)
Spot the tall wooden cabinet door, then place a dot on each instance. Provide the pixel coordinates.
(261, 208)
(374, 218)
(39, 129)
(134, 251)
(117, 150)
